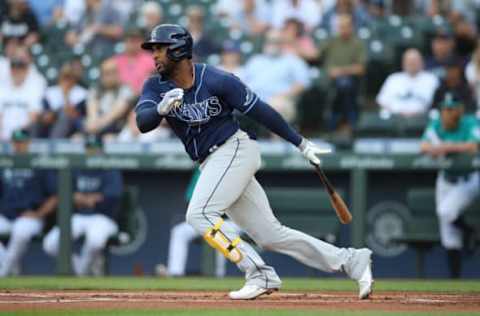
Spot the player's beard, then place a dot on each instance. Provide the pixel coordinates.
(166, 70)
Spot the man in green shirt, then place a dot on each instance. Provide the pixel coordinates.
(453, 133)
(344, 58)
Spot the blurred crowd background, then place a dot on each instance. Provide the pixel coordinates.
(336, 69)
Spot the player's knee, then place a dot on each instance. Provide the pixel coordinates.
(50, 246)
(96, 242)
(193, 218)
(20, 235)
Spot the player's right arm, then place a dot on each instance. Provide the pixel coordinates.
(239, 96)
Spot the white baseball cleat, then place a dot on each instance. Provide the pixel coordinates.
(250, 292)
(360, 269)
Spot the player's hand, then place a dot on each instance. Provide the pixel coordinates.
(310, 151)
(30, 214)
(172, 98)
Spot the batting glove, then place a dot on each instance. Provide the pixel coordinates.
(172, 98)
(310, 151)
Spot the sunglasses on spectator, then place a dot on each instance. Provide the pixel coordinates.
(17, 63)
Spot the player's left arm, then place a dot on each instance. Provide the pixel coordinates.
(239, 96)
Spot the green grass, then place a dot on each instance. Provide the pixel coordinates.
(212, 312)
(289, 284)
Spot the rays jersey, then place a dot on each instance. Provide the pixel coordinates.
(205, 119)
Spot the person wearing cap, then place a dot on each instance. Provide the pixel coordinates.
(453, 134)
(96, 201)
(134, 65)
(63, 106)
(27, 202)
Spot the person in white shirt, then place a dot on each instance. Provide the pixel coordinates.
(20, 94)
(277, 76)
(409, 92)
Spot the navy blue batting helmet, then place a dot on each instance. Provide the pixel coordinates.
(178, 39)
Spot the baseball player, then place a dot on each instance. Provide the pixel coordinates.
(197, 101)
(451, 134)
(96, 200)
(28, 198)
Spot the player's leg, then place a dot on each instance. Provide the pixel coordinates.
(220, 260)
(5, 229)
(224, 176)
(99, 229)
(23, 230)
(180, 237)
(51, 242)
(451, 200)
(252, 212)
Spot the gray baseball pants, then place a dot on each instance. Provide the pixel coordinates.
(227, 184)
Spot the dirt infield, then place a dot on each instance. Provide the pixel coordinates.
(382, 301)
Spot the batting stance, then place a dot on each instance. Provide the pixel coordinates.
(452, 134)
(197, 101)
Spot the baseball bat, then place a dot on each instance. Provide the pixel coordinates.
(337, 202)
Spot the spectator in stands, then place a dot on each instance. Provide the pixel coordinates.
(297, 41)
(124, 8)
(203, 44)
(20, 94)
(64, 106)
(134, 64)
(73, 10)
(307, 11)
(454, 81)
(343, 7)
(344, 58)
(181, 235)
(150, 15)
(231, 58)
(277, 76)
(107, 103)
(19, 24)
(453, 134)
(443, 53)
(409, 92)
(472, 73)
(27, 201)
(98, 29)
(45, 10)
(130, 132)
(96, 200)
(251, 17)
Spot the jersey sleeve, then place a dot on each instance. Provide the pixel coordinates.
(236, 94)
(474, 135)
(146, 108)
